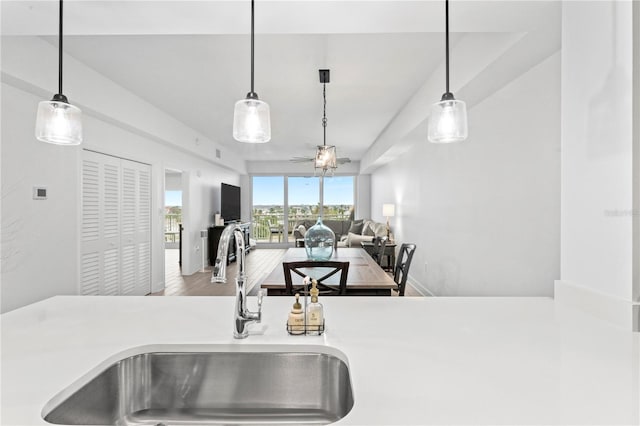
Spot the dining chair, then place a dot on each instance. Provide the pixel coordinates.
(379, 246)
(405, 256)
(328, 270)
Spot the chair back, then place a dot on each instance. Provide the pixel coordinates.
(379, 246)
(405, 256)
(329, 269)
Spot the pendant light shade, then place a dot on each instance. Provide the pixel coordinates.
(448, 118)
(251, 116)
(448, 121)
(57, 121)
(251, 122)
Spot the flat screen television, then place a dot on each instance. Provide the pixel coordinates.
(230, 202)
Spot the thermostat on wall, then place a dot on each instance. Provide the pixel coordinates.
(39, 193)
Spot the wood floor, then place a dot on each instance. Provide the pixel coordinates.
(259, 263)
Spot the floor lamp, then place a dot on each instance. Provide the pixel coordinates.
(204, 235)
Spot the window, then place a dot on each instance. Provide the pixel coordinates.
(267, 216)
(338, 198)
(304, 200)
(275, 216)
(172, 216)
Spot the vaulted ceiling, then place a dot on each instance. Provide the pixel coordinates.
(191, 59)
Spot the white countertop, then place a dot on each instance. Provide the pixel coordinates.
(412, 360)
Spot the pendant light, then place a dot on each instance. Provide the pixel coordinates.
(448, 118)
(326, 158)
(251, 118)
(58, 122)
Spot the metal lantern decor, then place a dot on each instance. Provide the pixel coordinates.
(326, 157)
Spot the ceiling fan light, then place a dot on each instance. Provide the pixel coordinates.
(251, 121)
(326, 157)
(448, 121)
(59, 123)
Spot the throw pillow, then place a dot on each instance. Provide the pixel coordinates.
(367, 230)
(356, 227)
(379, 229)
(302, 230)
(354, 240)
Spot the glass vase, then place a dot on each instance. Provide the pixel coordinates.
(318, 241)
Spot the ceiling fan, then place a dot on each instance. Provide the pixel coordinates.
(325, 158)
(339, 160)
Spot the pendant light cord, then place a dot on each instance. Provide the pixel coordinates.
(324, 112)
(252, 30)
(60, 52)
(446, 13)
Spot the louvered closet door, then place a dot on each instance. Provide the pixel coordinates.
(136, 228)
(115, 241)
(100, 236)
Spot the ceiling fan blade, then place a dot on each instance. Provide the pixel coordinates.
(301, 159)
(343, 160)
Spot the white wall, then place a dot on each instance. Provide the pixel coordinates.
(484, 213)
(40, 238)
(597, 150)
(363, 197)
(172, 181)
(39, 250)
(203, 199)
(286, 167)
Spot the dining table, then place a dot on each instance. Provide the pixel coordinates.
(365, 277)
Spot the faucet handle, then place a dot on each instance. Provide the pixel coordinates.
(260, 296)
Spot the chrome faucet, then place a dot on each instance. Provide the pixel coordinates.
(242, 317)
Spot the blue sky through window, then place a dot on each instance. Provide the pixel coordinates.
(173, 198)
(338, 190)
(269, 190)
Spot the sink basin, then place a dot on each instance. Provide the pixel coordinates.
(210, 388)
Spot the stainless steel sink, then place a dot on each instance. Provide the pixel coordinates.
(211, 388)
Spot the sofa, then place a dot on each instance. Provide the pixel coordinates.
(348, 233)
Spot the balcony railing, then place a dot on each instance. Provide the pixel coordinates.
(172, 223)
(269, 227)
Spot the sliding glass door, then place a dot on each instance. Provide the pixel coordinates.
(267, 215)
(280, 202)
(338, 195)
(304, 200)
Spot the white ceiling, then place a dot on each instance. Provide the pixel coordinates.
(191, 58)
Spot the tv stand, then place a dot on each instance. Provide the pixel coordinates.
(215, 232)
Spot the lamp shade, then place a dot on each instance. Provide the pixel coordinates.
(59, 123)
(448, 121)
(388, 210)
(251, 121)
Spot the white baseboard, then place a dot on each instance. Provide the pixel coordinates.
(622, 313)
(159, 286)
(424, 291)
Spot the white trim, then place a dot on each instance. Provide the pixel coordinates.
(78, 197)
(421, 289)
(619, 312)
